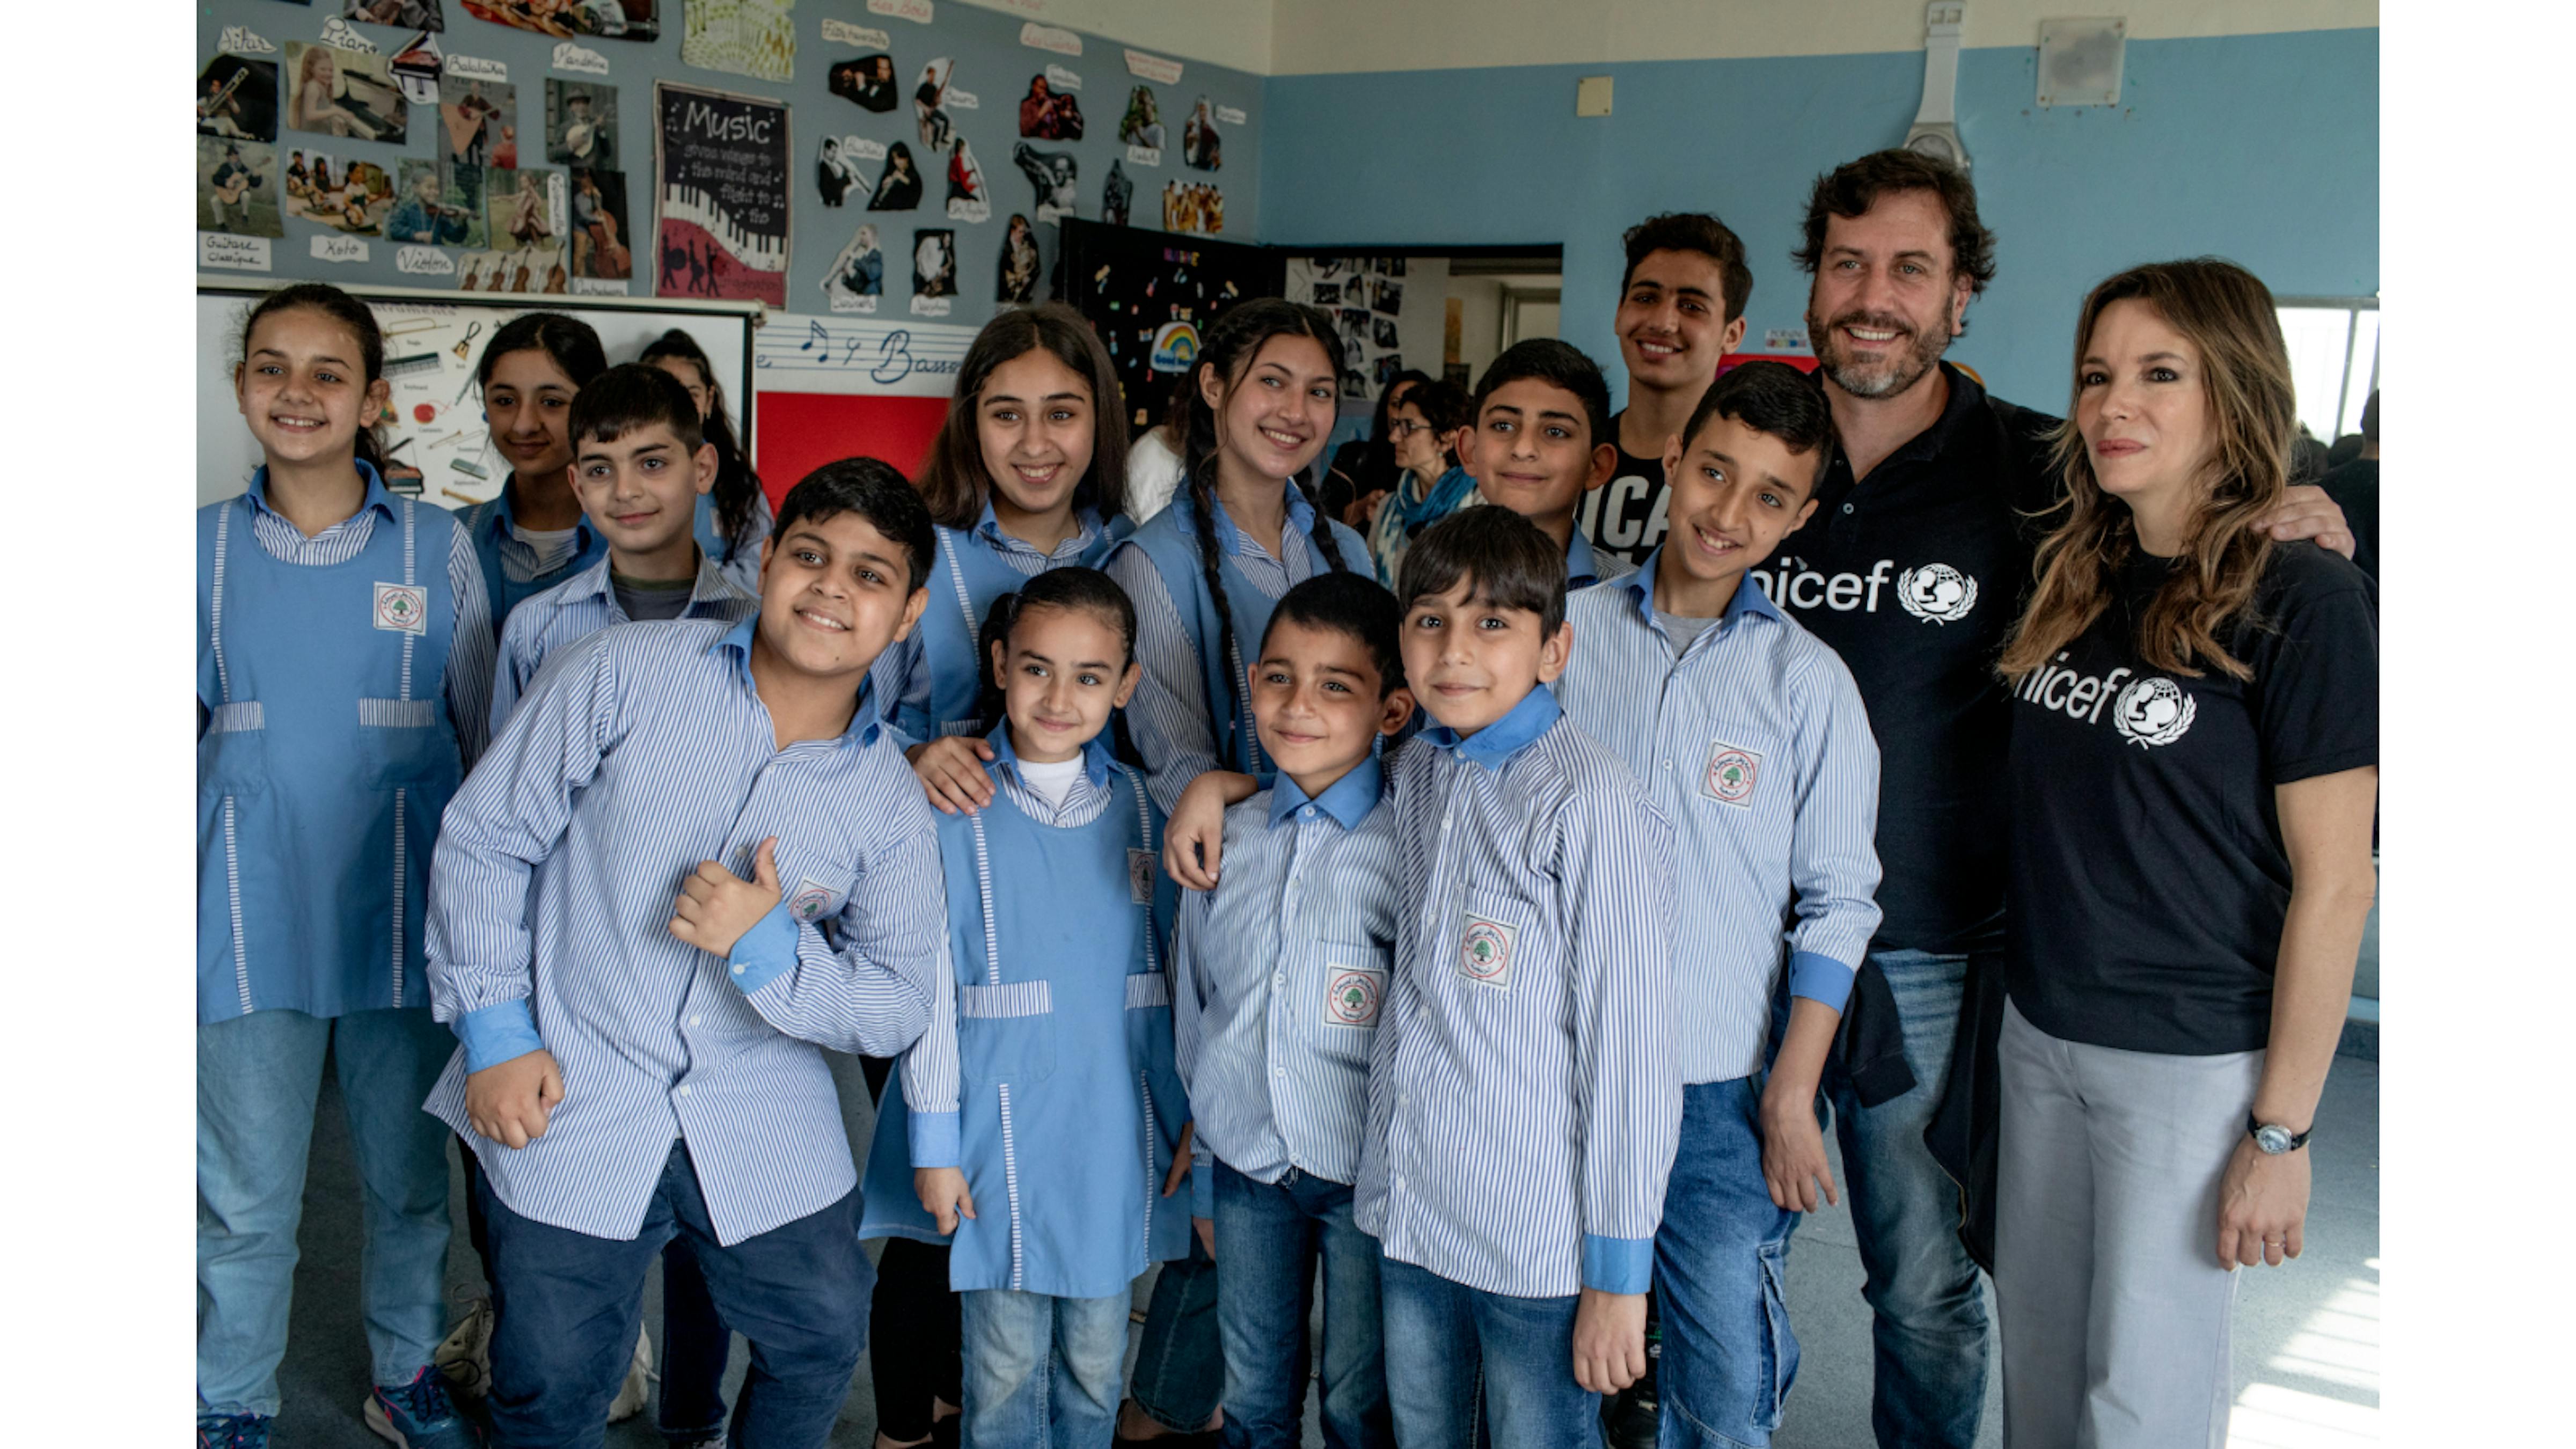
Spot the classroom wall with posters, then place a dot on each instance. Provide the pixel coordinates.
(988, 57)
(2263, 148)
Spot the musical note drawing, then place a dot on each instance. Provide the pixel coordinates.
(815, 337)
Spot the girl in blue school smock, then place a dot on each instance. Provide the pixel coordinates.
(336, 628)
(733, 517)
(1029, 473)
(532, 536)
(1035, 1125)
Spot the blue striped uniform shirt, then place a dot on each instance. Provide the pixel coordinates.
(1524, 1104)
(1584, 566)
(1279, 979)
(1756, 746)
(469, 654)
(902, 675)
(583, 605)
(637, 753)
(1167, 716)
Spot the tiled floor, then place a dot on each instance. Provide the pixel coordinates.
(2307, 1335)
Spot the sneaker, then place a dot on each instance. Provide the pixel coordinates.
(632, 1394)
(1628, 1417)
(465, 1359)
(233, 1431)
(418, 1415)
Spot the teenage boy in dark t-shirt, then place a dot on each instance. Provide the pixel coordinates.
(1912, 567)
(1681, 308)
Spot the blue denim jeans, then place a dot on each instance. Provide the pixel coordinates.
(1928, 1328)
(1720, 1256)
(1271, 1236)
(1442, 1338)
(1180, 1360)
(1041, 1372)
(258, 1078)
(695, 1345)
(566, 1307)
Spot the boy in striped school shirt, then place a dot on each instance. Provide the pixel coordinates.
(1538, 442)
(640, 464)
(1752, 738)
(1279, 978)
(1523, 1095)
(743, 765)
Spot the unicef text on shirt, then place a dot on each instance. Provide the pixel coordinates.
(1933, 592)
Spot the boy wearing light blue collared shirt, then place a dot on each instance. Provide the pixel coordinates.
(1523, 1094)
(1751, 736)
(1279, 979)
(692, 1099)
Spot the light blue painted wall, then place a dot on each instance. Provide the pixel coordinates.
(2261, 148)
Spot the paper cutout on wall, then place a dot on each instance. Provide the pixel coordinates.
(919, 12)
(1142, 126)
(1018, 267)
(857, 277)
(1053, 174)
(424, 262)
(1049, 114)
(1117, 193)
(478, 122)
(1193, 206)
(969, 199)
(930, 105)
(866, 81)
(423, 213)
(407, 14)
(1200, 147)
(218, 251)
(600, 250)
(327, 247)
(338, 34)
(332, 92)
(581, 123)
(475, 67)
(464, 187)
(237, 187)
(418, 68)
(842, 32)
(743, 37)
(239, 40)
(528, 269)
(343, 194)
(579, 59)
(1153, 68)
(609, 19)
(1176, 347)
(1049, 37)
(934, 272)
(899, 186)
(237, 99)
(721, 198)
(523, 207)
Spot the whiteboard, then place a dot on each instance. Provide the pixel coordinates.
(438, 418)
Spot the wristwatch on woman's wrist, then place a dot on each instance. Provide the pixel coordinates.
(2273, 1138)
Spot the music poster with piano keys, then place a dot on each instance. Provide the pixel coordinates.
(720, 203)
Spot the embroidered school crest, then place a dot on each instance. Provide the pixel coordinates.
(1732, 774)
(1937, 592)
(809, 901)
(2153, 712)
(402, 608)
(1485, 951)
(1140, 877)
(1352, 994)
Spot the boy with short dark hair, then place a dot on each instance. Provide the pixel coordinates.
(1523, 1101)
(1681, 311)
(1280, 976)
(1753, 740)
(1538, 441)
(640, 462)
(692, 1097)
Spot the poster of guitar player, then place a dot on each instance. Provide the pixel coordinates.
(237, 188)
(720, 204)
(573, 19)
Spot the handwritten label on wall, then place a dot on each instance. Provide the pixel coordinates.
(1049, 37)
(579, 60)
(332, 247)
(916, 11)
(337, 32)
(1061, 79)
(474, 67)
(423, 262)
(1144, 155)
(598, 287)
(1153, 68)
(237, 40)
(842, 32)
(232, 253)
(1230, 116)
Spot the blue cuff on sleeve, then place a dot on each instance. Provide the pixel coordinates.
(1202, 1183)
(496, 1033)
(934, 1140)
(1618, 1265)
(766, 952)
(1819, 978)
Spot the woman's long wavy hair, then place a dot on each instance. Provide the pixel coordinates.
(956, 480)
(2245, 369)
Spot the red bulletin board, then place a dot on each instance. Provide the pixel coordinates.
(802, 431)
(1803, 361)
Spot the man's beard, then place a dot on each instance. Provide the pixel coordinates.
(1876, 379)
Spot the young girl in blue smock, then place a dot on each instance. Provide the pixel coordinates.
(1034, 1126)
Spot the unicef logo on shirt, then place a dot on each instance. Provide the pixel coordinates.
(2153, 712)
(1936, 592)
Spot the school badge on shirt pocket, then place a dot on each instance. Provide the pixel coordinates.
(1485, 949)
(1140, 877)
(1733, 772)
(810, 900)
(1352, 995)
(402, 608)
